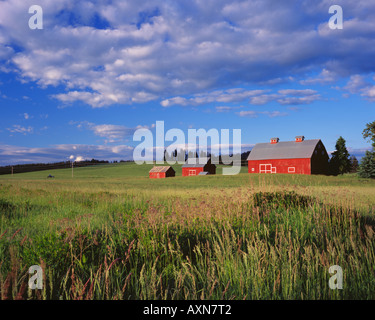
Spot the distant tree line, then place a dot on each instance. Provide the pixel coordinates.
(21, 168)
(121, 161)
(184, 155)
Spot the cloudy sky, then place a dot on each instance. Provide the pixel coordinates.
(98, 70)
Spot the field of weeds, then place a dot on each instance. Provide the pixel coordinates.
(115, 234)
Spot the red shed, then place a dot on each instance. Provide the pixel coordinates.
(299, 156)
(194, 167)
(162, 172)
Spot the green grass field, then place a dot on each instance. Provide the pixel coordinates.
(112, 233)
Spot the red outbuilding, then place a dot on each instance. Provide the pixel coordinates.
(198, 166)
(162, 172)
(297, 157)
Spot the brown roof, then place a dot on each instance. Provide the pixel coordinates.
(161, 169)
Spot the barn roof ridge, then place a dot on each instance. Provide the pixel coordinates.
(284, 150)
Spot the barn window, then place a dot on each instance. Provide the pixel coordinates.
(291, 169)
(266, 168)
(192, 172)
(253, 169)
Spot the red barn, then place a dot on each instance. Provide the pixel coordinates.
(199, 166)
(162, 172)
(299, 156)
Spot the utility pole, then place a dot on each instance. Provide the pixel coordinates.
(12, 170)
(72, 169)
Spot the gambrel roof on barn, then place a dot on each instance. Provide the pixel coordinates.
(196, 162)
(161, 169)
(284, 150)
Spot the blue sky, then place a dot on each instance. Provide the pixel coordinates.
(98, 70)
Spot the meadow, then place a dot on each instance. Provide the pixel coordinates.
(110, 232)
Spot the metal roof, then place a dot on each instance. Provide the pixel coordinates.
(203, 173)
(284, 150)
(161, 169)
(196, 162)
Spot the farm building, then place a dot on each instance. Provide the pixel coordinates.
(299, 157)
(161, 172)
(199, 166)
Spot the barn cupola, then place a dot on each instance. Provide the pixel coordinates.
(274, 140)
(300, 138)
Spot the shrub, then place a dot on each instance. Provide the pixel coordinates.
(282, 199)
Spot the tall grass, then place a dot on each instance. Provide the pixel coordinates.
(261, 237)
(272, 246)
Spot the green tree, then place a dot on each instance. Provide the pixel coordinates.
(340, 162)
(369, 133)
(367, 167)
(354, 166)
